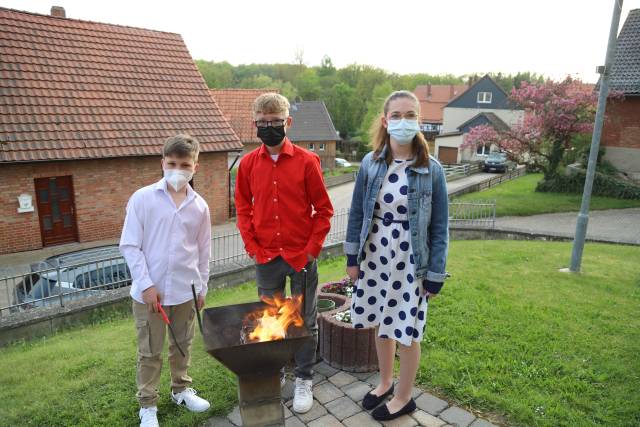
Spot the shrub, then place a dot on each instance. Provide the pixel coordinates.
(603, 185)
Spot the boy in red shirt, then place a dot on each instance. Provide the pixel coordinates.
(284, 215)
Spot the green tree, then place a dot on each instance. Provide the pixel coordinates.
(374, 108)
(216, 74)
(326, 67)
(342, 104)
(308, 85)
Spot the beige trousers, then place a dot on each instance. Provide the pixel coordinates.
(151, 332)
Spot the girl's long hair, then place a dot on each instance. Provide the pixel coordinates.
(380, 137)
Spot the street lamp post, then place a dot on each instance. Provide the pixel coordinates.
(583, 216)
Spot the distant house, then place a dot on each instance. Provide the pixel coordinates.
(313, 129)
(485, 102)
(621, 131)
(237, 107)
(433, 98)
(85, 109)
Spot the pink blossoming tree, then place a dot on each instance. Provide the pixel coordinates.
(554, 113)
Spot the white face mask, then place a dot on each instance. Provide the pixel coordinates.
(403, 131)
(177, 178)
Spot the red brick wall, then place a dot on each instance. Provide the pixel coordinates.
(622, 127)
(101, 190)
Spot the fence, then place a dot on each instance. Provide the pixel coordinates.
(459, 171)
(476, 213)
(492, 182)
(49, 284)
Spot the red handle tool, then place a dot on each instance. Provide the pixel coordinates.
(165, 319)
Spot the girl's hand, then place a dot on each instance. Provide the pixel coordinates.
(353, 272)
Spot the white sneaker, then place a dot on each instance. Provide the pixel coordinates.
(149, 417)
(189, 399)
(303, 396)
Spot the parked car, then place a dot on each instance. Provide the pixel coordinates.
(498, 162)
(342, 163)
(73, 276)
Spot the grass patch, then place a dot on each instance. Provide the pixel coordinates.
(519, 198)
(86, 376)
(340, 171)
(509, 335)
(512, 335)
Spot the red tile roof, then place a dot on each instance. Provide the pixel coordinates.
(72, 89)
(434, 97)
(237, 107)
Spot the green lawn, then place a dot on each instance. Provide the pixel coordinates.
(519, 198)
(340, 170)
(86, 376)
(509, 335)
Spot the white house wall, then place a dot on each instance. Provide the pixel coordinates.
(448, 141)
(454, 117)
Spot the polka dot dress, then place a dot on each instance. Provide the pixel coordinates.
(387, 294)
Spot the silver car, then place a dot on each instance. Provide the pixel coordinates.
(73, 276)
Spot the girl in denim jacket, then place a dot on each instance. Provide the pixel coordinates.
(396, 247)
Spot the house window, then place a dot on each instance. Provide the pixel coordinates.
(430, 127)
(311, 147)
(483, 150)
(321, 147)
(484, 97)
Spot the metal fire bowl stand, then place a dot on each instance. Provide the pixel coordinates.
(257, 365)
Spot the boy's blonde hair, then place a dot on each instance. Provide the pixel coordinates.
(181, 145)
(271, 103)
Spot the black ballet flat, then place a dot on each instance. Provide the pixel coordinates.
(370, 401)
(382, 413)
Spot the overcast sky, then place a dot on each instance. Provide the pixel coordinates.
(550, 37)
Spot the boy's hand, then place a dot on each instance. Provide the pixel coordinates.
(151, 298)
(200, 302)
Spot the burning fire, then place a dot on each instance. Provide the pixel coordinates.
(272, 323)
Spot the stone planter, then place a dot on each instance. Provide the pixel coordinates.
(340, 344)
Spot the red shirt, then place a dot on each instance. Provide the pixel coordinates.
(283, 207)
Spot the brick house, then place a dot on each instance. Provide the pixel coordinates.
(85, 109)
(311, 128)
(621, 131)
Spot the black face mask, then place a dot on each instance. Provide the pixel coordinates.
(271, 135)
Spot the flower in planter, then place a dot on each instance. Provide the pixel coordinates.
(343, 287)
(343, 316)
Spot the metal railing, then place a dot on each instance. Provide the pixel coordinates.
(476, 213)
(228, 248)
(48, 284)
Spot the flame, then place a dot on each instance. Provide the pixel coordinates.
(271, 324)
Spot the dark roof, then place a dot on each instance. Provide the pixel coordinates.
(486, 117)
(72, 89)
(237, 107)
(311, 122)
(625, 69)
(484, 81)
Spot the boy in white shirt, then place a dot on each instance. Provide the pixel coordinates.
(166, 241)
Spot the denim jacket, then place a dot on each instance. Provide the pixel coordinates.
(428, 212)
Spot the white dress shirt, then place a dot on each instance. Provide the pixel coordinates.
(165, 246)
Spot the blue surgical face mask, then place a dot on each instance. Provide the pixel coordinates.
(403, 131)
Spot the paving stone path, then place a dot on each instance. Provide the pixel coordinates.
(337, 402)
